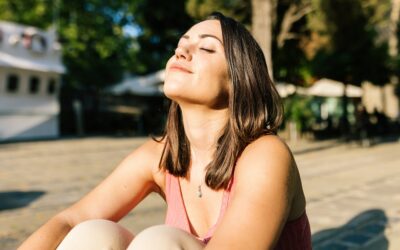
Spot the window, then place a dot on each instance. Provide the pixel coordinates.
(12, 83)
(51, 87)
(33, 85)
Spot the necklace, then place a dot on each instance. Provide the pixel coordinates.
(199, 192)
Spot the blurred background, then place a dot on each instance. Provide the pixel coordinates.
(75, 68)
(81, 87)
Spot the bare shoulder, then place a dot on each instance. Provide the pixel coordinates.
(269, 143)
(149, 155)
(268, 151)
(264, 184)
(151, 150)
(268, 163)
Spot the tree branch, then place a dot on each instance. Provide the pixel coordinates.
(293, 14)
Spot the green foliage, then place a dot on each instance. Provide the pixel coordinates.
(352, 54)
(238, 9)
(32, 12)
(290, 62)
(161, 25)
(96, 52)
(351, 34)
(94, 47)
(298, 110)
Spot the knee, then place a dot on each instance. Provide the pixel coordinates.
(101, 228)
(160, 237)
(97, 234)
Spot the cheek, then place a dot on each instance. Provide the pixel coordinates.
(220, 78)
(169, 61)
(210, 84)
(173, 81)
(213, 88)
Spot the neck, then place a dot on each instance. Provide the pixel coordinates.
(203, 127)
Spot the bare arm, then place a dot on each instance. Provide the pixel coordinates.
(262, 197)
(131, 181)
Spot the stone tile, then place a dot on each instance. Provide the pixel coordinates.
(340, 182)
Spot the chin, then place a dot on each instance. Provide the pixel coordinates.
(179, 96)
(172, 91)
(175, 84)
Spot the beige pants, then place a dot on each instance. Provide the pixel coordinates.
(108, 235)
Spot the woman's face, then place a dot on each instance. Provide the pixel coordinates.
(197, 73)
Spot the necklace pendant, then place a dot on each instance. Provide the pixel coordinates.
(199, 192)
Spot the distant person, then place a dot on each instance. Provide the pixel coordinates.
(381, 122)
(229, 181)
(363, 125)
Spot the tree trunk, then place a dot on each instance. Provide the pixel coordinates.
(393, 44)
(394, 20)
(262, 19)
(344, 121)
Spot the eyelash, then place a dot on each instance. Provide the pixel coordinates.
(208, 50)
(205, 49)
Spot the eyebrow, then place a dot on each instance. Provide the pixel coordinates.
(204, 36)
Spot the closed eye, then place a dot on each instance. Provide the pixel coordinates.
(208, 50)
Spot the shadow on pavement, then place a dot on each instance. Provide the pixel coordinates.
(18, 199)
(364, 231)
(385, 139)
(317, 147)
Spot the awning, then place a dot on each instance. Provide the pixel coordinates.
(148, 85)
(331, 88)
(285, 89)
(8, 60)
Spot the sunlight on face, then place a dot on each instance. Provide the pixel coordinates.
(197, 72)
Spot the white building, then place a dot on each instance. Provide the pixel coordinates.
(149, 85)
(30, 70)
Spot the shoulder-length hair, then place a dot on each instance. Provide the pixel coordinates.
(255, 109)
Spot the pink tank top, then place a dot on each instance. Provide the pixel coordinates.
(295, 235)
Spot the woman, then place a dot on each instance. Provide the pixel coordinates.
(228, 180)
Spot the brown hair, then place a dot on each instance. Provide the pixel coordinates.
(255, 109)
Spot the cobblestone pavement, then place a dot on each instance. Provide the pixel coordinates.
(353, 193)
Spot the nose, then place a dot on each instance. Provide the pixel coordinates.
(183, 53)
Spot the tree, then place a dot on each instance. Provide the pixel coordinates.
(262, 23)
(351, 54)
(292, 42)
(94, 46)
(161, 25)
(394, 41)
(394, 21)
(274, 24)
(238, 9)
(35, 12)
(351, 45)
(294, 13)
(257, 15)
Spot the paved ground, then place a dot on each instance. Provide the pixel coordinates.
(353, 193)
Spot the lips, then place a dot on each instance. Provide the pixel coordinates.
(179, 67)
